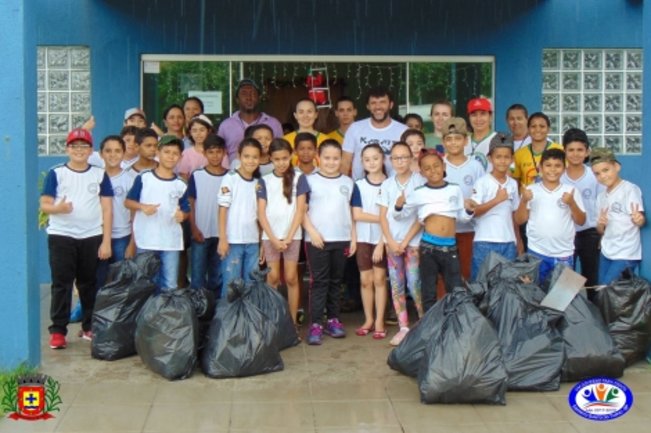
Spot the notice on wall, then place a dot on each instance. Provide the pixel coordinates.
(150, 67)
(212, 101)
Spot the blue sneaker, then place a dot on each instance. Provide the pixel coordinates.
(335, 328)
(76, 313)
(315, 335)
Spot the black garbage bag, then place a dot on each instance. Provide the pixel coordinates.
(407, 356)
(117, 306)
(203, 301)
(589, 349)
(532, 345)
(492, 259)
(522, 269)
(626, 308)
(242, 339)
(167, 334)
(463, 362)
(275, 307)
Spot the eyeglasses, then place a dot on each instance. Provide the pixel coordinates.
(79, 146)
(401, 158)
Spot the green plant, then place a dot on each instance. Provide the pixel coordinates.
(52, 398)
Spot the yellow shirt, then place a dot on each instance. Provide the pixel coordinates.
(526, 163)
(320, 138)
(337, 135)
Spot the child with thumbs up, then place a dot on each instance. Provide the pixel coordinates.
(159, 199)
(552, 209)
(621, 214)
(497, 198)
(77, 197)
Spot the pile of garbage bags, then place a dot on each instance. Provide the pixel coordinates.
(495, 334)
(173, 331)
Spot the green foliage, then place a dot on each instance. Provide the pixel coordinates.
(52, 398)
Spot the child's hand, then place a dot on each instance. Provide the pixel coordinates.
(527, 195)
(261, 257)
(378, 253)
(197, 236)
(393, 247)
(64, 206)
(222, 248)
(470, 205)
(179, 216)
(279, 244)
(502, 194)
(89, 124)
(157, 129)
(400, 202)
(130, 252)
(603, 217)
(149, 209)
(636, 216)
(352, 248)
(568, 198)
(317, 240)
(104, 251)
(402, 247)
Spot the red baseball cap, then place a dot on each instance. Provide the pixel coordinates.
(478, 104)
(79, 134)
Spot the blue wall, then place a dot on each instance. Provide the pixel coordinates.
(515, 32)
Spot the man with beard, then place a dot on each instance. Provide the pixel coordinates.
(379, 128)
(232, 129)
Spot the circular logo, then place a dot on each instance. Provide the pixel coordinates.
(561, 204)
(93, 188)
(600, 399)
(587, 193)
(118, 191)
(468, 180)
(343, 189)
(616, 207)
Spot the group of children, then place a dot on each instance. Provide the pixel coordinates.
(431, 215)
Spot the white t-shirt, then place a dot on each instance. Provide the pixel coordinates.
(550, 230)
(362, 133)
(239, 195)
(496, 225)
(517, 144)
(203, 187)
(160, 231)
(265, 168)
(280, 213)
(621, 239)
(369, 233)
(96, 160)
(83, 189)
(329, 203)
(464, 175)
(389, 192)
(589, 187)
(121, 184)
(479, 151)
(426, 200)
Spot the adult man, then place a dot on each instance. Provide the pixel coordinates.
(345, 112)
(516, 117)
(441, 111)
(232, 129)
(379, 127)
(480, 115)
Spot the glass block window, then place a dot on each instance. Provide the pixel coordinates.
(598, 90)
(63, 94)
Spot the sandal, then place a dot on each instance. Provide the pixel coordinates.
(362, 332)
(379, 335)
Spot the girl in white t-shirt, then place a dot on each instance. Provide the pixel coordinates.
(281, 205)
(264, 134)
(329, 239)
(401, 237)
(370, 243)
(238, 244)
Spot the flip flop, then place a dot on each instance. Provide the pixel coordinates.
(363, 331)
(379, 335)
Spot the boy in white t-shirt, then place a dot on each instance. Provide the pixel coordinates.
(496, 196)
(464, 171)
(77, 197)
(621, 214)
(203, 189)
(159, 200)
(551, 209)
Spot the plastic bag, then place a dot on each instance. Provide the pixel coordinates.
(274, 306)
(532, 346)
(242, 339)
(463, 362)
(492, 259)
(203, 302)
(523, 269)
(407, 356)
(167, 334)
(589, 349)
(117, 306)
(626, 308)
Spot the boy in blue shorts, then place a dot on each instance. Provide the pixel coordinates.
(552, 209)
(158, 198)
(77, 197)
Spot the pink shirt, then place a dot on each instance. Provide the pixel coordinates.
(192, 160)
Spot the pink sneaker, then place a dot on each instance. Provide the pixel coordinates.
(397, 339)
(86, 335)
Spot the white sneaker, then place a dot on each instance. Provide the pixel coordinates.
(399, 336)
